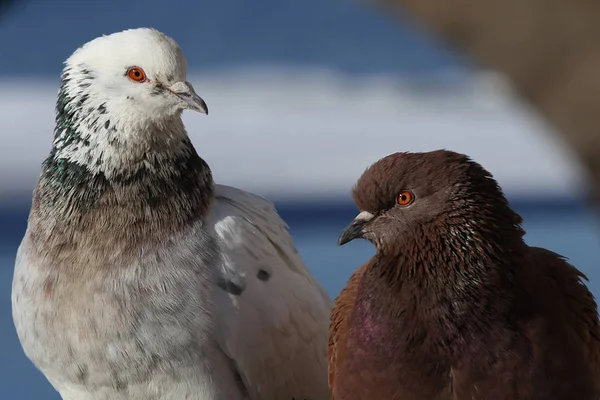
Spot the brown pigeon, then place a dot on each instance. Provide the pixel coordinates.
(454, 304)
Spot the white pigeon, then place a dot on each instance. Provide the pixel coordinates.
(138, 277)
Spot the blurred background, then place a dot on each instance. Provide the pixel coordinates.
(303, 96)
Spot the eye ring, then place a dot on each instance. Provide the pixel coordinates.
(136, 74)
(405, 198)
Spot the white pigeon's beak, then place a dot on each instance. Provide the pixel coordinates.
(185, 92)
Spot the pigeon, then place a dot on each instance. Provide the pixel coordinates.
(140, 278)
(454, 304)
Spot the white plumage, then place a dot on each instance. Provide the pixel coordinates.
(140, 279)
(274, 331)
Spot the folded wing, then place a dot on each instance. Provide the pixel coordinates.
(273, 316)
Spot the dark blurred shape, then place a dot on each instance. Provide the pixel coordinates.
(6, 6)
(549, 49)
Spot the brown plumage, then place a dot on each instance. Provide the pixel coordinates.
(454, 304)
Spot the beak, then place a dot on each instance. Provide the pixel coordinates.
(356, 228)
(185, 92)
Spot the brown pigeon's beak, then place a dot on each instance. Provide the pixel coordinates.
(356, 228)
(185, 92)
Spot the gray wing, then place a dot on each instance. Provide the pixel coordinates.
(273, 316)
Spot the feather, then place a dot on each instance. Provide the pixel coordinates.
(273, 330)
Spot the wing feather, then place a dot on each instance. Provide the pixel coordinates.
(275, 327)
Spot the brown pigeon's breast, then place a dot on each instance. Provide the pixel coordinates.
(375, 359)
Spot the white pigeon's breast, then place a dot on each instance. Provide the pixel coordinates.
(137, 331)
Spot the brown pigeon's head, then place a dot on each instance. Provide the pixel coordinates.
(434, 193)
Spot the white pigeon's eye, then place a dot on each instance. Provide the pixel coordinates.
(136, 74)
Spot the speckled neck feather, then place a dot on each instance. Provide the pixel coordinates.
(94, 194)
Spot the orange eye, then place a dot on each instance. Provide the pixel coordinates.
(404, 198)
(136, 74)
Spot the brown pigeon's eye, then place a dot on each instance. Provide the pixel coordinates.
(136, 74)
(404, 198)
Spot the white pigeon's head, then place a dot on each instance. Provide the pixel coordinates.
(140, 71)
(120, 96)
